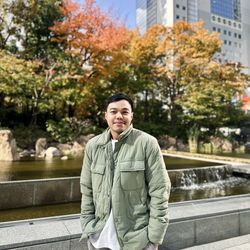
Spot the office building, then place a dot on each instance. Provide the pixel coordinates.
(230, 18)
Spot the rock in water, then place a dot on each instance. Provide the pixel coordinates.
(8, 149)
(41, 144)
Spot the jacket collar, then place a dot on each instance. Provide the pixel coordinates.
(106, 135)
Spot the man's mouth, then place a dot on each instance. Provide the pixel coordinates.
(119, 123)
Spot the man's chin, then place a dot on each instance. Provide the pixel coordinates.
(119, 130)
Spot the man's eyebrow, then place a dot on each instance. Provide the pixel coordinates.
(117, 108)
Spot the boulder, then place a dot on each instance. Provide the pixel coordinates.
(52, 152)
(181, 146)
(221, 144)
(77, 149)
(216, 143)
(64, 148)
(167, 142)
(8, 148)
(25, 153)
(227, 146)
(41, 144)
(83, 139)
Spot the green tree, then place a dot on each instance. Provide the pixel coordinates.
(7, 28)
(198, 88)
(25, 26)
(33, 19)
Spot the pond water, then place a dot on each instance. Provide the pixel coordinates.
(30, 168)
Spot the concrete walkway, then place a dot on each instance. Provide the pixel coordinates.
(235, 243)
(192, 224)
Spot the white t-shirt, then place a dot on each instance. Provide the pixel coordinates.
(107, 238)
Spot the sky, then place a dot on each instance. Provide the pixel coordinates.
(124, 9)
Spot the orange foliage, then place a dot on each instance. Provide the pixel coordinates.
(88, 27)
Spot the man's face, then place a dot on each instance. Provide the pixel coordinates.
(118, 116)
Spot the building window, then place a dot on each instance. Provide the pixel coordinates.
(214, 29)
(230, 9)
(218, 19)
(213, 18)
(229, 33)
(239, 36)
(224, 21)
(234, 24)
(218, 30)
(184, 18)
(225, 42)
(229, 23)
(177, 6)
(239, 26)
(224, 32)
(177, 17)
(235, 35)
(229, 43)
(184, 7)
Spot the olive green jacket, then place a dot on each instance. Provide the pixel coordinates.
(133, 180)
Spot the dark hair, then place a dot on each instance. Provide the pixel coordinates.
(118, 97)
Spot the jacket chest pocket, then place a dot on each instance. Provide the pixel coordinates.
(97, 175)
(132, 175)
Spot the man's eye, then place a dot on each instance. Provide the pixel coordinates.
(112, 112)
(125, 112)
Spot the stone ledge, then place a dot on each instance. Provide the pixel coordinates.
(191, 223)
(240, 242)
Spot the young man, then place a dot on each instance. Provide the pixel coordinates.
(125, 185)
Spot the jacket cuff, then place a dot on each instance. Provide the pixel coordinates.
(156, 231)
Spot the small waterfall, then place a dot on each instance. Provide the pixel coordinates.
(198, 176)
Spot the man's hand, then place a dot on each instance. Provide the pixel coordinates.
(155, 246)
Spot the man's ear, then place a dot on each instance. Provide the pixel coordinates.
(105, 115)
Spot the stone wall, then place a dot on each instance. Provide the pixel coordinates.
(16, 194)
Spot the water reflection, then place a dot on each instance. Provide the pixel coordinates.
(30, 168)
(37, 168)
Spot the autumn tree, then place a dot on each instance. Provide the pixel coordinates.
(198, 88)
(93, 41)
(133, 75)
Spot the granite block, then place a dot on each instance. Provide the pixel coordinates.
(76, 245)
(52, 192)
(179, 235)
(61, 245)
(73, 227)
(217, 228)
(75, 190)
(14, 195)
(244, 222)
(26, 235)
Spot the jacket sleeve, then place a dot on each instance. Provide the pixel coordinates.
(159, 190)
(87, 205)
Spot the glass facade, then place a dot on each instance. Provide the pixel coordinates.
(141, 15)
(226, 8)
(151, 12)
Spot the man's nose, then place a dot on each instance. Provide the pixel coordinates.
(118, 115)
